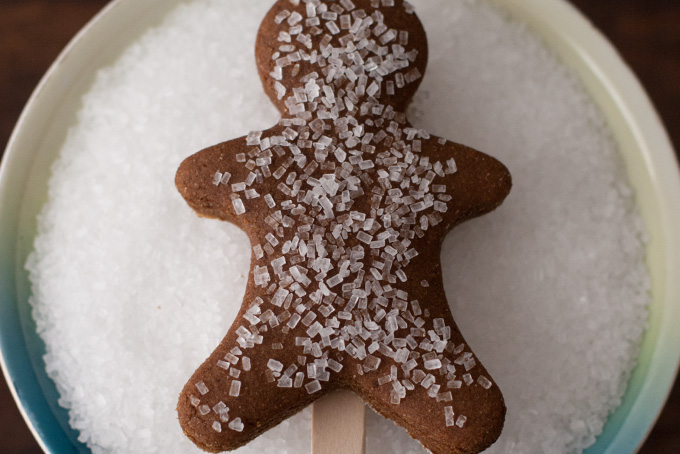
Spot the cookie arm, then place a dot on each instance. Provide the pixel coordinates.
(205, 181)
(478, 186)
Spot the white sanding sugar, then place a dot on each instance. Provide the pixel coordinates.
(132, 290)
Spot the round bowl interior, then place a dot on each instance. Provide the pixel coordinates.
(43, 126)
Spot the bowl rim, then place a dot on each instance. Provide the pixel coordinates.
(619, 94)
(561, 24)
(111, 16)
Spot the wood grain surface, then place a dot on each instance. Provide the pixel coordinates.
(33, 32)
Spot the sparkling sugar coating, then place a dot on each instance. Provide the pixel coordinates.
(359, 202)
(532, 115)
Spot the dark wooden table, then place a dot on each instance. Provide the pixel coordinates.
(33, 32)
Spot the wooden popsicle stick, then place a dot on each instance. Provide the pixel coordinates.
(339, 424)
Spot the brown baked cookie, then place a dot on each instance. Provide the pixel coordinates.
(346, 205)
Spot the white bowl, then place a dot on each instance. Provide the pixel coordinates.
(42, 128)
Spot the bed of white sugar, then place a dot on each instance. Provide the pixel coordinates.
(132, 290)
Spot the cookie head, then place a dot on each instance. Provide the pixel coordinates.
(364, 49)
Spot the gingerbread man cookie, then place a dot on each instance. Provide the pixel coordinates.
(346, 205)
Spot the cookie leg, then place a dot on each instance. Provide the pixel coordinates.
(468, 422)
(225, 405)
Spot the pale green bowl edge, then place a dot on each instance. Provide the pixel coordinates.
(653, 172)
